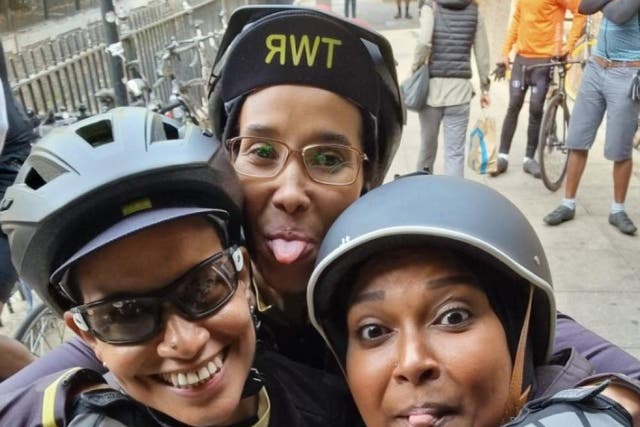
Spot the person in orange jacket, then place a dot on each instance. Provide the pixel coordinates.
(536, 32)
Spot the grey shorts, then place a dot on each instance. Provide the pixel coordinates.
(604, 90)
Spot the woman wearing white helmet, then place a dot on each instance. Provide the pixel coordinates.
(145, 261)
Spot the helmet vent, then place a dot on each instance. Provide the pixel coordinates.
(97, 133)
(34, 180)
(171, 131)
(42, 171)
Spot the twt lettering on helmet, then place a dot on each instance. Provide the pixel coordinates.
(320, 49)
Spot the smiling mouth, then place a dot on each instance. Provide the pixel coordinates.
(192, 379)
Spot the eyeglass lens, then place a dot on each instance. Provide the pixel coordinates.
(325, 163)
(199, 293)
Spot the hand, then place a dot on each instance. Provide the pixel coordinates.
(563, 56)
(500, 72)
(484, 100)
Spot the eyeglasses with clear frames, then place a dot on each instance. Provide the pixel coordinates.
(332, 164)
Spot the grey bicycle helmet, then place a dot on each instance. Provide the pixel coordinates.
(270, 45)
(82, 179)
(445, 212)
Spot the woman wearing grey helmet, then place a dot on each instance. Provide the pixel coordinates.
(438, 318)
(146, 263)
(298, 93)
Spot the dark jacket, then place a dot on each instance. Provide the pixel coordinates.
(299, 397)
(301, 343)
(455, 23)
(20, 128)
(19, 135)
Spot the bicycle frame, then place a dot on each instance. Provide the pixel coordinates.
(551, 147)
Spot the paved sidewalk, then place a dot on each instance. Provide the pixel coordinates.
(596, 269)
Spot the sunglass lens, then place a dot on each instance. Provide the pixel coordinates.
(124, 321)
(207, 289)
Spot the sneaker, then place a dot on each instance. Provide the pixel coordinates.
(559, 215)
(532, 167)
(407, 16)
(622, 222)
(501, 167)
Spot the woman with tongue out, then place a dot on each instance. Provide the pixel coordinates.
(309, 108)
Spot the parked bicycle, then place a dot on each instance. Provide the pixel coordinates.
(42, 330)
(554, 127)
(139, 92)
(188, 98)
(62, 117)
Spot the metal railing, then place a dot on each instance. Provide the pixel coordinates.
(19, 14)
(68, 70)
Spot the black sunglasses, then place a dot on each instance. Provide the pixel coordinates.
(133, 319)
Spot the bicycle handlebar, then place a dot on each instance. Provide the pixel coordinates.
(178, 46)
(554, 63)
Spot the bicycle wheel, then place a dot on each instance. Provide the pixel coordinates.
(551, 143)
(42, 330)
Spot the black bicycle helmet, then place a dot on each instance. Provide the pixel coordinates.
(82, 179)
(445, 212)
(270, 45)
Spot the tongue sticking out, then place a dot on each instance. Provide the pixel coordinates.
(287, 251)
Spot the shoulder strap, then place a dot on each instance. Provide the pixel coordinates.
(575, 407)
(264, 409)
(49, 398)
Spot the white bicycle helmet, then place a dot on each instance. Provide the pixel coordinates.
(81, 179)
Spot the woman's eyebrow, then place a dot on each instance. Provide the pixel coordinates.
(257, 129)
(326, 136)
(368, 296)
(455, 279)
(331, 137)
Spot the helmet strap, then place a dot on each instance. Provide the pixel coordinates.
(517, 397)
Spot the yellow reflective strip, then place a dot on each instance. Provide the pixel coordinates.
(264, 409)
(136, 206)
(49, 400)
